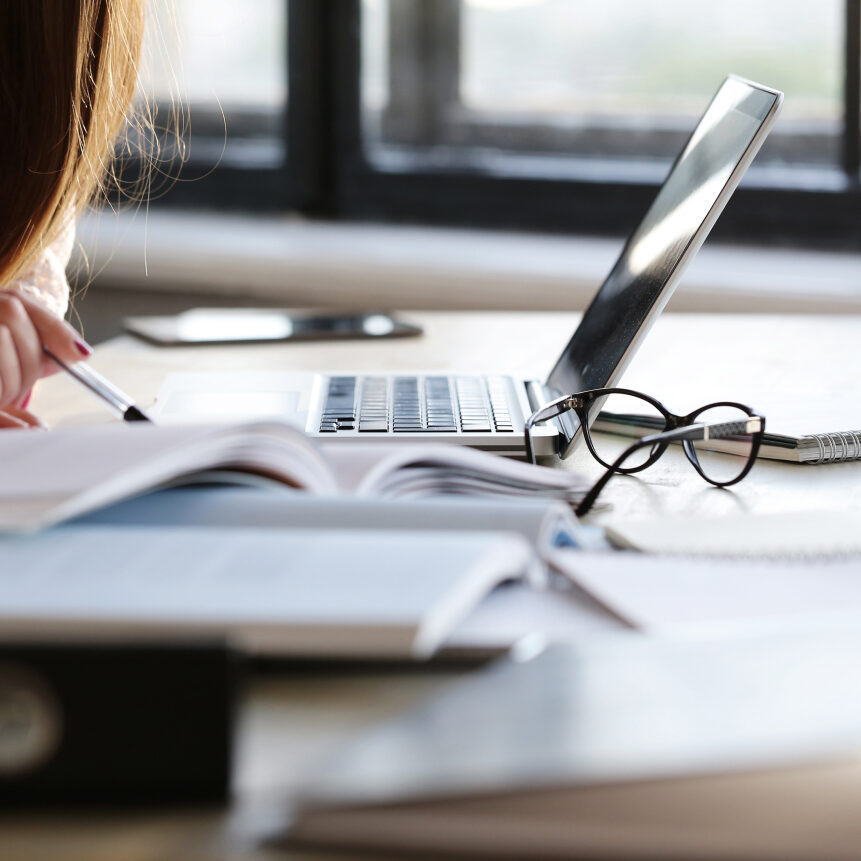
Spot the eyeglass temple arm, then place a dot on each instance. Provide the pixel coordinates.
(714, 430)
(553, 409)
(589, 499)
(717, 430)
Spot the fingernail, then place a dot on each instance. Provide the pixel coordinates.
(83, 347)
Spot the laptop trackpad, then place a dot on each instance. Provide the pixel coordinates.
(204, 397)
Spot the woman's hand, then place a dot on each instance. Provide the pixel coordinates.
(25, 328)
(15, 417)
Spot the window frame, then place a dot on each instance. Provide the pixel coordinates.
(328, 173)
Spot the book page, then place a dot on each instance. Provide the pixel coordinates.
(49, 476)
(398, 470)
(283, 591)
(63, 462)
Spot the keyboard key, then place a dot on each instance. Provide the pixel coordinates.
(435, 404)
(339, 410)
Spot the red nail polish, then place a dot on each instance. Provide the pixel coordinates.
(83, 347)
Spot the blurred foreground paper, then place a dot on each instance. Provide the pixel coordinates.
(354, 594)
(787, 535)
(677, 595)
(628, 748)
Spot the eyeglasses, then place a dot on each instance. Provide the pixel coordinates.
(721, 440)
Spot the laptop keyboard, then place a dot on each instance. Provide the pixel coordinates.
(409, 404)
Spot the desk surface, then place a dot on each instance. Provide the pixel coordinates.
(286, 723)
(790, 364)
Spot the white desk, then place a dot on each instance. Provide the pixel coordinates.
(287, 723)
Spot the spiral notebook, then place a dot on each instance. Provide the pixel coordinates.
(814, 448)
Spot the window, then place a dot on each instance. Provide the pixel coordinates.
(215, 74)
(570, 79)
(557, 115)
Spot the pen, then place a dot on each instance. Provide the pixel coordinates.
(102, 388)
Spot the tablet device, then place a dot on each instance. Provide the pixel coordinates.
(257, 325)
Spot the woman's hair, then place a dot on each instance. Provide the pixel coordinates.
(68, 70)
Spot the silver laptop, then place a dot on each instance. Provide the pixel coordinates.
(488, 412)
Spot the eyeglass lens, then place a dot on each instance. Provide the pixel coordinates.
(623, 418)
(727, 464)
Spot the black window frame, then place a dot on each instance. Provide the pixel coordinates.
(329, 174)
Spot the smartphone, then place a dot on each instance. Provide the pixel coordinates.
(260, 325)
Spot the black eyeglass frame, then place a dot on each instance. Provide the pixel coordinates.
(685, 429)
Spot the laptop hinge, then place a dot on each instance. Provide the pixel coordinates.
(567, 424)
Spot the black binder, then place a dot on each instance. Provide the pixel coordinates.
(115, 723)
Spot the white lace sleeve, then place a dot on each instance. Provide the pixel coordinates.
(46, 282)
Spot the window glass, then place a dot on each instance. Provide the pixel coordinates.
(217, 51)
(225, 63)
(614, 79)
(375, 55)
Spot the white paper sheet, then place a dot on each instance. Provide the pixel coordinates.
(785, 535)
(685, 595)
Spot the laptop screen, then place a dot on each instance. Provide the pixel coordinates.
(640, 284)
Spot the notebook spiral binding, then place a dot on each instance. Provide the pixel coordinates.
(837, 447)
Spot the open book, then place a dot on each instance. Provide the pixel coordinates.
(51, 477)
